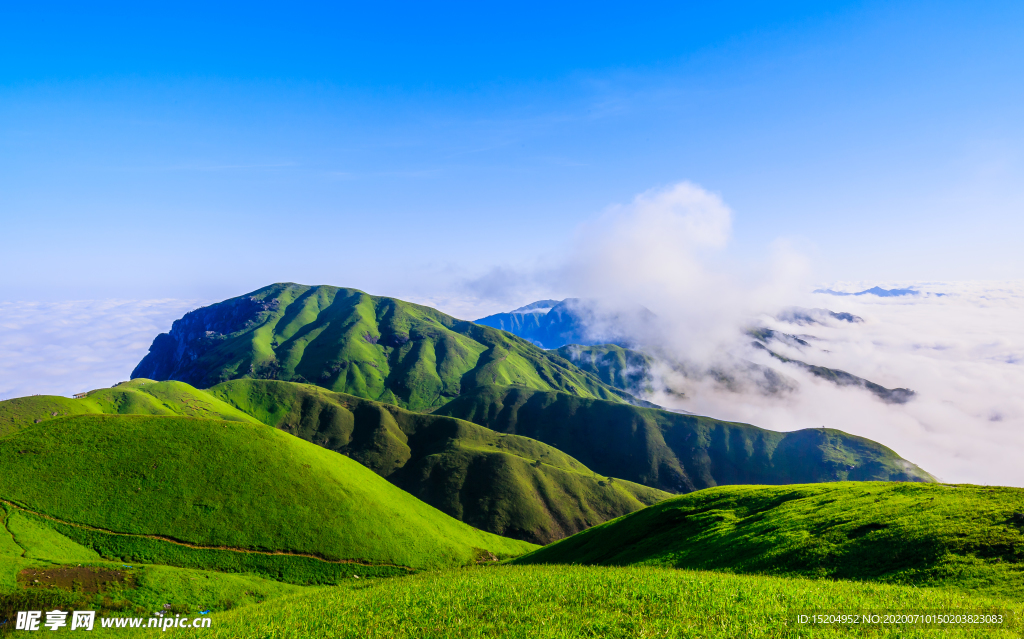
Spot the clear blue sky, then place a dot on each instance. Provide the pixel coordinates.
(190, 151)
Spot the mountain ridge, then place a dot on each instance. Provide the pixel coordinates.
(348, 341)
(678, 452)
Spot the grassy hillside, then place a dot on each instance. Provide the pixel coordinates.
(344, 340)
(506, 484)
(137, 397)
(41, 569)
(559, 602)
(125, 484)
(969, 537)
(674, 452)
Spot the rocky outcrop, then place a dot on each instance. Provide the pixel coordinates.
(172, 355)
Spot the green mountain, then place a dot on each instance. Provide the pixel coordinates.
(971, 537)
(506, 484)
(225, 495)
(344, 340)
(677, 452)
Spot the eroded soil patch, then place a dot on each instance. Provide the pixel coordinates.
(86, 579)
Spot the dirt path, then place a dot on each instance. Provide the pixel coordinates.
(186, 544)
(7, 516)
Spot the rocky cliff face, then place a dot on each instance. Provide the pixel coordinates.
(172, 354)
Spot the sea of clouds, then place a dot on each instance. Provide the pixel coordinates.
(62, 348)
(961, 352)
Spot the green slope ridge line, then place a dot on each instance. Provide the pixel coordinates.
(347, 341)
(967, 537)
(675, 452)
(506, 484)
(205, 482)
(137, 397)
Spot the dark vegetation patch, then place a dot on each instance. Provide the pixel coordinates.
(860, 531)
(88, 579)
(37, 599)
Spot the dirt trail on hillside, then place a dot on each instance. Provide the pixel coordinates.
(186, 544)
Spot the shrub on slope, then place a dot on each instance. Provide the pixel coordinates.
(344, 340)
(506, 484)
(675, 452)
(925, 534)
(232, 484)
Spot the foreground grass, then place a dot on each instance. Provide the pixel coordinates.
(579, 601)
(966, 537)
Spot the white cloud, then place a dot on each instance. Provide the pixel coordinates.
(963, 354)
(663, 251)
(61, 348)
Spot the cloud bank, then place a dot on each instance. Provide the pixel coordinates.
(62, 348)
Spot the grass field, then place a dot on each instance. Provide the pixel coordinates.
(966, 537)
(218, 484)
(578, 601)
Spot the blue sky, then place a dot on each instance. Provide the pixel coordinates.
(191, 152)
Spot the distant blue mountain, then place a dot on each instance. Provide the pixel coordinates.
(553, 324)
(880, 292)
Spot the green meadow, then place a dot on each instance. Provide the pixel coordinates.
(585, 601)
(199, 484)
